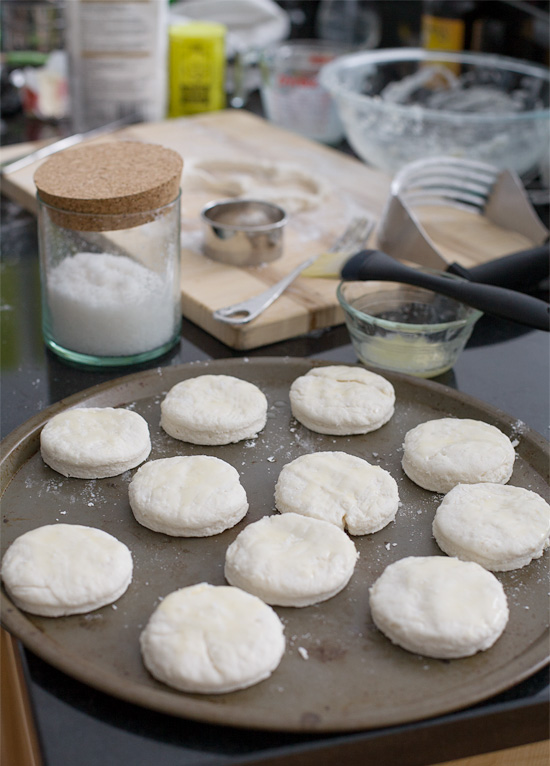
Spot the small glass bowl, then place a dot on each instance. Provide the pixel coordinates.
(405, 329)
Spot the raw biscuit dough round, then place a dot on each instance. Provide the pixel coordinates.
(188, 496)
(439, 454)
(95, 442)
(62, 569)
(291, 560)
(339, 488)
(342, 400)
(213, 410)
(212, 639)
(439, 607)
(499, 526)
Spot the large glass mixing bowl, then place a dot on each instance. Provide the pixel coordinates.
(400, 105)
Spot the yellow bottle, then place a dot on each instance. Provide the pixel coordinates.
(196, 67)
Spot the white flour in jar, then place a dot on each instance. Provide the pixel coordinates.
(109, 305)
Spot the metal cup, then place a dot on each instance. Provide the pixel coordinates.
(243, 232)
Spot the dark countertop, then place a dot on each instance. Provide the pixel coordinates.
(504, 365)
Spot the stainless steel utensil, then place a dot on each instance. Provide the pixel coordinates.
(460, 183)
(354, 237)
(243, 232)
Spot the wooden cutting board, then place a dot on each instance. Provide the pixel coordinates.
(350, 188)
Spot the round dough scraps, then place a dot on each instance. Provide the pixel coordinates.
(212, 639)
(291, 560)
(341, 400)
(499, 526)
(339, 488)
(439, 607)
(63, 569)
(95, 442)
(439, 454)
(213, 409)
(293, 187)
(193, 496)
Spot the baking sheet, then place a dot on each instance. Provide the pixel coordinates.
(350, 676)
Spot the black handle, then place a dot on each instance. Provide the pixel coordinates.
(518, 271)
(508, 304)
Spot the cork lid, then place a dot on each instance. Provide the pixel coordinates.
(126, 179)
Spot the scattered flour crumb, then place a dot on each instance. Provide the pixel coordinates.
(303, 652)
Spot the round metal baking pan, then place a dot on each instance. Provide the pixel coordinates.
(338, 672)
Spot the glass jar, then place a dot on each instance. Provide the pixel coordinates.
(110, 280)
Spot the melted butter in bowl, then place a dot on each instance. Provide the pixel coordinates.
(405, 329)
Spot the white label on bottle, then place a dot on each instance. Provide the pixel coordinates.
(118, 60)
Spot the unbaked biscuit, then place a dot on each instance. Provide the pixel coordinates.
(188, 496)
(342, 400)
(291, 560)
(62, 569)
(95, 442)
(439, 454)
(499, 526)
(439, 607)
(214, 409)
(212, 639)
(339, 488)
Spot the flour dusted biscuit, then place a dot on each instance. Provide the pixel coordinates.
(62, 569)
(95, 442)
(212, 639)
(291, 560)
(342, 400)
(439, 607)
(194, 496)
(439, 454)
(214, 409)
(339, 488)
(499, 526)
